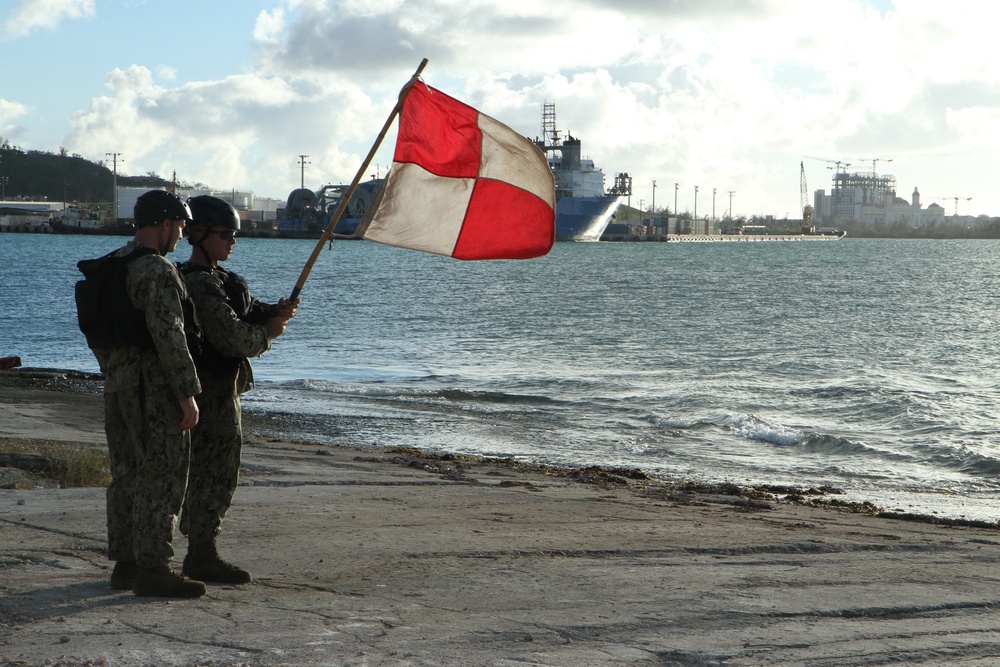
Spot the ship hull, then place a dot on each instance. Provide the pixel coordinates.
(299, 228)
(584, 218)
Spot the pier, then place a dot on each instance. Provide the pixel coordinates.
(717, 238)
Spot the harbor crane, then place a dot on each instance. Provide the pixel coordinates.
(956, 199)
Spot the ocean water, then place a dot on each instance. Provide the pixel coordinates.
(868, 365)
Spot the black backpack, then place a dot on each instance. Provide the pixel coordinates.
(105, 313)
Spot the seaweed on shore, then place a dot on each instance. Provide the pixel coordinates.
(944, 521)
(52, 379)
(744, 497)
(452, 464)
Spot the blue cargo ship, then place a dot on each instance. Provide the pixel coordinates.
(583, 206)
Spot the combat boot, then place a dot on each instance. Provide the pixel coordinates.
(161, 581)
(123, 576)
(204, 564)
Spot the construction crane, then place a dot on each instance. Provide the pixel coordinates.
(951, 197)
(807, 210)
(873, 160)
(836, 163)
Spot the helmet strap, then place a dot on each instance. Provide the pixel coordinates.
(162, 242)
(201, 255)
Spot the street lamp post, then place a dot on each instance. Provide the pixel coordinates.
(676, 217)
(713, 207)
(302, 170)
(694, 223)
(652, 212)
(731, 193)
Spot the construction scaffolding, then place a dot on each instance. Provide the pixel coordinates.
(854, 191)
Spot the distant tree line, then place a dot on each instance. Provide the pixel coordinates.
(984, 228)
(42, 176)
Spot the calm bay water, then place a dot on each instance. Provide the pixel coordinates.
(868, 365)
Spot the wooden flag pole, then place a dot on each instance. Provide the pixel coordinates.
(346, 197)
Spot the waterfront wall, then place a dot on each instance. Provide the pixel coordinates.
(716, 238)
(24, 224)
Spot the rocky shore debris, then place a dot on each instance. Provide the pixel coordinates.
(6, 363)
(59, 379)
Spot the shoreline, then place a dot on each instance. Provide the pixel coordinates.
(32, 380)
(400, 557)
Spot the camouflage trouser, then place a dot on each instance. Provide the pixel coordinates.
(216, 446)
(149, 466)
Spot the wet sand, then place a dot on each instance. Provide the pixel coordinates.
(399, 558)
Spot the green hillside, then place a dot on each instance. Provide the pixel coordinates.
(40, 176)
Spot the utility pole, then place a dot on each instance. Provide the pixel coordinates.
(114, 183)
(676, 185)
(731, 193)
(302, 170)
(713, 207)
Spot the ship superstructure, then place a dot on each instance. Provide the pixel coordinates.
(308, 213)
(583, 206)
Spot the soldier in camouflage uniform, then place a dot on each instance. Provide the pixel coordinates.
(150, 408)
(235, 326)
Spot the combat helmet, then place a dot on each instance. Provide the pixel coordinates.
(155, 206)
(210, 211)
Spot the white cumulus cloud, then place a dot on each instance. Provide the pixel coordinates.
(728, 95)
(31, 15)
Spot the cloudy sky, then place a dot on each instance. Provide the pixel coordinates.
(726, 95)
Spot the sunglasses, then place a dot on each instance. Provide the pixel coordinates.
(227, 234)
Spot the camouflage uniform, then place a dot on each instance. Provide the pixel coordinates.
(142, 414)
(217, 440)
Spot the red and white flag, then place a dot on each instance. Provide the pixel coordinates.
(463, 185)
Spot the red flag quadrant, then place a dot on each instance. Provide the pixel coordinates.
(463, 185)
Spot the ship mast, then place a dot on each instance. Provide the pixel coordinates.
(550, 134)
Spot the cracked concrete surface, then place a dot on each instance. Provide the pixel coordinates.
(361, 561)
